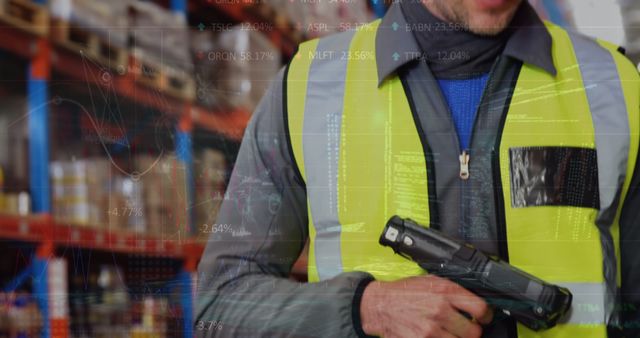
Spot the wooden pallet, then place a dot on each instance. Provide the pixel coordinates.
(90, 44)
(179, 84)
(163, 78)
(146, 72)
(262, 10)
(25, 15)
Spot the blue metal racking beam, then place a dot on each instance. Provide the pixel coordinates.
(38, 73)
(378, 7)
(37, 97)
(40, 274)
(179, 6)
(17, 281)
(184, 152)
(186, 299)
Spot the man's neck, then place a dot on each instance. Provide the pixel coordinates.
(451, 51)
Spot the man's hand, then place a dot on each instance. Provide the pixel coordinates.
(423, 306)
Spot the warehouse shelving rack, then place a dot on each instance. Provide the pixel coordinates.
(45, 58)
(42, 230)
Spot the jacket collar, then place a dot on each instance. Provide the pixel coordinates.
(396, 46)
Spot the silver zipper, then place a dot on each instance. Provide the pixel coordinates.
(464, 165)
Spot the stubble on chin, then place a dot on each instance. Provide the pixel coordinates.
(490, 29)
(488, 24)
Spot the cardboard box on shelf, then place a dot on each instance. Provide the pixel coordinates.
(16, 204)
(245, 62)
(210, 170)
(80, 191)
(210, 167)
(164, 195)
(107, 19)
(125, 208)
(70, 191)
(98, 178)
(88, 192)
(206, 73)
(152, 70)
(161, 34)
(14, 143)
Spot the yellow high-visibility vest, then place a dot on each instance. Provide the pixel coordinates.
(359, 152)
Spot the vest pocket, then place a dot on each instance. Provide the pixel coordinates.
(554, 176)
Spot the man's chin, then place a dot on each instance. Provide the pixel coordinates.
(488, 26)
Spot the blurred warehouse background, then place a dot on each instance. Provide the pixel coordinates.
(120, 121)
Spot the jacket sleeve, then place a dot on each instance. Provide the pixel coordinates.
(630, 258)
(243, 285)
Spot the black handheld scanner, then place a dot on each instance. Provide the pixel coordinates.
(531, 301)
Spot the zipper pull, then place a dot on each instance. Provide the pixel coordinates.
(464, 165)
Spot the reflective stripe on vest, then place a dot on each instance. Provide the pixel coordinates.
(321, 140)
(312, 117)
(588, 305)
(359, 153)
(612, 137)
